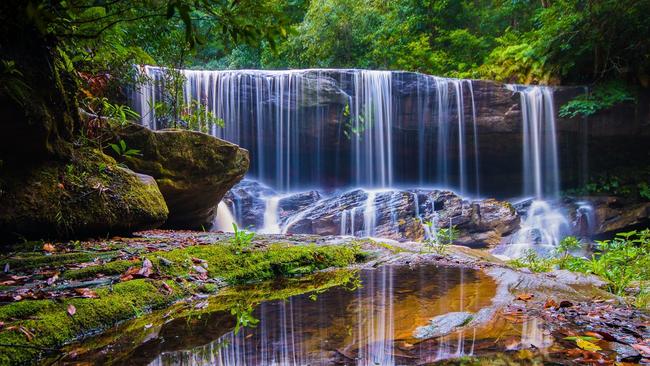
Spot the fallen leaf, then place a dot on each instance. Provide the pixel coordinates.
(87, 293)
(550, 303)
(524, 297)
(587, 346)
(167, 289)
(145, 271)
(52, 279)
(72, 310)
(49, 248)
(200, 269)
(566, 304)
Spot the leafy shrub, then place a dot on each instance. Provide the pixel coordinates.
(621, 261)
(533, 261)
(602, 97)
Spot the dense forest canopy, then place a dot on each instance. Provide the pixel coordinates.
(602, 43)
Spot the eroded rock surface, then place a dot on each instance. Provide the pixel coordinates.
(193, 170)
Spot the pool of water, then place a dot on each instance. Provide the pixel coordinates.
(369, 321)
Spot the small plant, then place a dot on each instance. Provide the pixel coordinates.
(533, 261)
(241, 239)
(121, 149)
(564, 249)
(644, 190)
(351, 127)
(621, 261)
(244, 316)
(440, 238)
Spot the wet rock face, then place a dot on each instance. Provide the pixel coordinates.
(400, 215)
(247, 203)
(393, 214)
(607, 214)
(193, 170)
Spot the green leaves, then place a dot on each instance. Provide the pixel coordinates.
(241, 239)
(602, 96)
(121, 149)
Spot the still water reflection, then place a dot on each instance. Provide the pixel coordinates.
(370, 323)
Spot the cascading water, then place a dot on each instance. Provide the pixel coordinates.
(545, 223)
(334, 128)
(224, 219)
(271, 216)
(338, 129)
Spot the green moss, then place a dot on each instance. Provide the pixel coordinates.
(275, 260)
(107, 269)
(36, 260)
(90, 194)
(52, 326)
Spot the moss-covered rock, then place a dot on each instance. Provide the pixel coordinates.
(193, 170)
(88, 195)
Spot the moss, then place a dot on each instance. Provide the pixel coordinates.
(259, 264)
(36, 260)
(107, 269)
(90, 194)
(52, 326)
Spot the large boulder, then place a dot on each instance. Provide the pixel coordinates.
(88, 195)
(193, 170)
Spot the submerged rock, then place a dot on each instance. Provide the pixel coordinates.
(443, 324)
(90, 195)
(193, 170)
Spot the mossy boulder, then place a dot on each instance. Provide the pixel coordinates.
(88, 195)
(193, 170)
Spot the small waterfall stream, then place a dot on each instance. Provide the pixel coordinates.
(545, 223)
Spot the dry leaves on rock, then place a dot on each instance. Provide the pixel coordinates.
(48, 247)
(525, 296)
(86, 293)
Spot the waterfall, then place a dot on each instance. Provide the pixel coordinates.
(369, 217)
(271, 216)
(545, 223)
(224, 219)
(333, 128)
